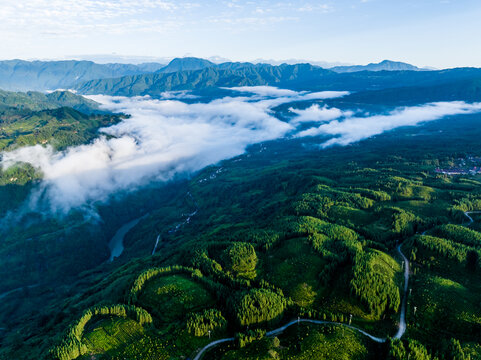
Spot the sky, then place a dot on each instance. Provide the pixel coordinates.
(437, 33)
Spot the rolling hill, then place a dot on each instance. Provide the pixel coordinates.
(35, 101)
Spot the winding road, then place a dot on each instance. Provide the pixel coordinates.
(275, 332)
(404, 304)
(467, 214)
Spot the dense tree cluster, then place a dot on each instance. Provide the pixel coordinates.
(456, 352)
(448, 249)
(444, 247)
(373, 282)
(206, 264)
(243, 339)
(376, 195)
(259, 305)
(459, 234)
(469, 203)
(200, 324)
(323, 197)
(241, 259)
(413, 350)
(303, 295)
(72, 345)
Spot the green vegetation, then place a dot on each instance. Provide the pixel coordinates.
(258, 306)
(374, 282)
(36, 101)
(288, 232)
(305, 342)
(172, 297)
(412, 350)
(459, 234)
(299, 254)
(73, 345)
(206, 322)
(241, 259)
(307, 260)
(59, 128)
(392, 87)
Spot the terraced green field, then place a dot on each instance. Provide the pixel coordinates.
(108, 334)
(171, 298)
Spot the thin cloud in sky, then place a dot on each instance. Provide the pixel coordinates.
(70, 17)
(346, 31)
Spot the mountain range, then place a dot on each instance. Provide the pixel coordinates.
(297, 77)
(385, 65)
(21, 75)
(384, 82)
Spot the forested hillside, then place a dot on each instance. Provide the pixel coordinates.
(60, 127)
(282, 232)
(298, 77)
(35, 101)
(289, 233)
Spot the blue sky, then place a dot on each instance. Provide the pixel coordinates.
(439, 33)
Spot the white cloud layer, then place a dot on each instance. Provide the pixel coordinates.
(161, 138)
(166, 137)
(354, 129)
(315, 113)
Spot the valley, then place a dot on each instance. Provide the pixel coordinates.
(248, 222)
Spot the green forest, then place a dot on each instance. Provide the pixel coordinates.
(286, 231)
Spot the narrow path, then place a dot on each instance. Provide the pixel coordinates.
(275, 332)
(404, 304)
(324, 322)
(467, 214)
(212, 344)
(156, 243)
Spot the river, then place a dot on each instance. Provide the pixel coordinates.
(116, 244)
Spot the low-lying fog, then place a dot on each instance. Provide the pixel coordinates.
(166, 137)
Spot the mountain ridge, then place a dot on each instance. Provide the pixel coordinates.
(295, 77)
(385, 65)
(21, 75)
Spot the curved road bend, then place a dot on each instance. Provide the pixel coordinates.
(402, 315)
(275, 332)
(212, 344)
(467, 213)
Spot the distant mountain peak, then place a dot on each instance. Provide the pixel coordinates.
(385, 65)
(186, 64)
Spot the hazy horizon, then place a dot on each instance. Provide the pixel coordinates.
(429, 33)
(139, 59)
